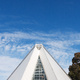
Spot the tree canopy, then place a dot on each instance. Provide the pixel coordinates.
(74, 69)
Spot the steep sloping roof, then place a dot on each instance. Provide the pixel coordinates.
(26, 68)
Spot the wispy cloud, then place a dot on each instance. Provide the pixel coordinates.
(7, 65)
(17, 44)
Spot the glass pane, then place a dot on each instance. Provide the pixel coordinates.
(39, 73)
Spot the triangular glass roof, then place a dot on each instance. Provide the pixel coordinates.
(39, 73)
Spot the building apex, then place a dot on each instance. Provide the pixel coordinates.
(38, 46)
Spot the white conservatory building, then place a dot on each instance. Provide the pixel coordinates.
(39, 65)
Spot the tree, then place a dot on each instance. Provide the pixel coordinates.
(74, 69)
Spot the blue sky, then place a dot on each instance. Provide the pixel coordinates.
(24, 23)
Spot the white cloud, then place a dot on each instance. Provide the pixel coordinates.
(7, 65)
(21, 35)
(13, 48)
(7, 47)
(24, 47)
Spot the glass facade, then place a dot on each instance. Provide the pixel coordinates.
(39, 73)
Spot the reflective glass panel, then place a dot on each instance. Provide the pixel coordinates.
(39, 73)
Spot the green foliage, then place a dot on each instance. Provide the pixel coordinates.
(74, 69)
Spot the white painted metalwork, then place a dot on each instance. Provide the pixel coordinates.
(26, 69)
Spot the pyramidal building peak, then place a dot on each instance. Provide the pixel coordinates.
(38, 46)
(38, 65)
